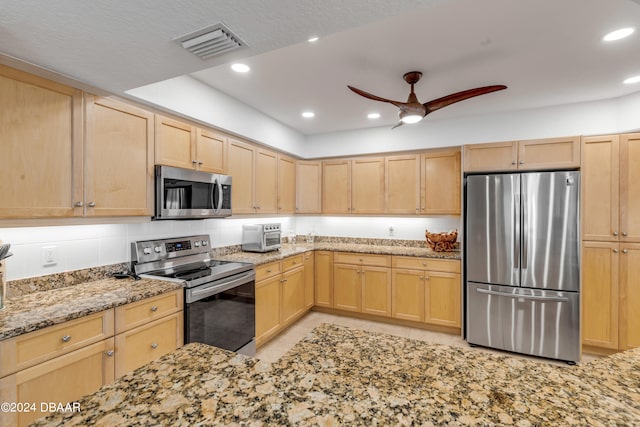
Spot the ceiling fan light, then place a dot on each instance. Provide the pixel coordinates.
(411, 118)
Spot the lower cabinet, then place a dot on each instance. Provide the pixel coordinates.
(64, 362)
(309, 282)
(426, 290)
(323, 279)
(362, 283)
(281, 296)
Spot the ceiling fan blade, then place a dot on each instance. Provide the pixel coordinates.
(436, 104)
(374, 97)
(400, 123)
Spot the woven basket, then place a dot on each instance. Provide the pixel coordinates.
(442, 242)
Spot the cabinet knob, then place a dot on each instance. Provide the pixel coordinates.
(268, 271)
(513, 162)
(92, 204)
(615, 233)
(79, 204)
(154, 346)
(615, 251)
(109, 353)
(154, 308)
(625, 234)
(522, 162)
(624, 251)
(424, 264)
(200, 163)
(426, 277)
(194, 161)
(66, 338)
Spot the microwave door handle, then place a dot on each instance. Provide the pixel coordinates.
(220, 196)
(212, 195)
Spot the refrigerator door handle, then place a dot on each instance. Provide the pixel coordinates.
(525, 228)
(516, 230)
(529, 297)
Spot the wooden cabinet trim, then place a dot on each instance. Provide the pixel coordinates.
(141, 312)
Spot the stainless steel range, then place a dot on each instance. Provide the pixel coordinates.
(219, 295)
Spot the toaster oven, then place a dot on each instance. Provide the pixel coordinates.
(261, 237)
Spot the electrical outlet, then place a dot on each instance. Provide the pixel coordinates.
(49, 255)
(391, 230)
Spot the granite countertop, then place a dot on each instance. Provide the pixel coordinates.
(38, 310)
(343, 376)
(288, 250)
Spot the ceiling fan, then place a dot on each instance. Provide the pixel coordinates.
(413, 111)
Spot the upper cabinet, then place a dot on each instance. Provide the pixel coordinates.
(336, 186)
(286, 185)
(367, 185)
(539, 154)
(119, 159)
(41, 148)
(266, 182)
(182, 145)
(611, 188)
(308, 187)
(441, 182)
(402, 184)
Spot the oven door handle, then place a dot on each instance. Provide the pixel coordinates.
(196, 294)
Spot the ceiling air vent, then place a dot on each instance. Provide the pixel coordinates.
(211, 41)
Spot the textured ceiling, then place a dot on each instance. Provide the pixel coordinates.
(548, 52)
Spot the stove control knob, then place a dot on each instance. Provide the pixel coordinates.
(146, 251)
(196, 244)
(157, 249)
(205, 243)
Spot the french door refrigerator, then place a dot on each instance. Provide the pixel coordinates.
(522, 263)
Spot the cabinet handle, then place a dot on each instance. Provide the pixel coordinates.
(513, 162)
(625, 234)
(154, 346)
(615, 233)
(624, 251)
(295, 262)
(79, 204)
(424, 264)
(522, 162)
(268, 271)
(194, 161)
(66, 338)
(92, 204)
(154, 308)
(615, 251)
(200, 163)
(426, 277)
(109, 353)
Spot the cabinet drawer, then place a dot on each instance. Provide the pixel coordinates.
(140, 346)
(432, 264)
(138, 313)
(292, 262)
(363, 259)
(268, 270)
(35, 347)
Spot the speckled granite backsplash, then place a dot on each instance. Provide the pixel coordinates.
(16, 288)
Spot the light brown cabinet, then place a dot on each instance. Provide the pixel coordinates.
(268, 308)
(629, 295)
(41, 124)
(286, 185)
(440, 182)
(367, 185)
(362, 283)
(308, 187)
(183, 145)
(537, 154)
(266, 182)
(426, 290)
(402, 184)
(118, 159)
(293, 294)
(336, 186)
(323, 278)
(309, 279)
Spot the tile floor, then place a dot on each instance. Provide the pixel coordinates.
(279, 345)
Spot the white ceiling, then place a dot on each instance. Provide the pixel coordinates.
(548, 52)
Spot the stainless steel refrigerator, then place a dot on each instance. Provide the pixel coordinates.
(522, 263)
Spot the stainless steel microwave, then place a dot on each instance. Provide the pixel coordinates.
(188, 194)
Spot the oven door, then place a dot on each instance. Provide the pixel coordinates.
(271, 240)
(222, 313)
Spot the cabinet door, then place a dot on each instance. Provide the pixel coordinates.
(211, 151)
(336, 186)
(119, 159)
(630, 187)
(268, 309)
(499, 156)
(629, 295)
(407, 294)
(376, 291)
(600, 187)
(41, 149)
(64, 379)
(241, 168)
(323, 278)
(550, 153)
(308, 187)
(141, 345)
(367, 185)
(266, 184)
(600, 294)
(286, 184)
(309, 270)
(442, 298)
(347, 287)
(293, 303)
(175, 143)
(441, 182)
(402, 184)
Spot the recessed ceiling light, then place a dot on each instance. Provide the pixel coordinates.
(240, 68)
(308, 114)
(634, 79)
(313, 39)
(374, 116)
(618, 34)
